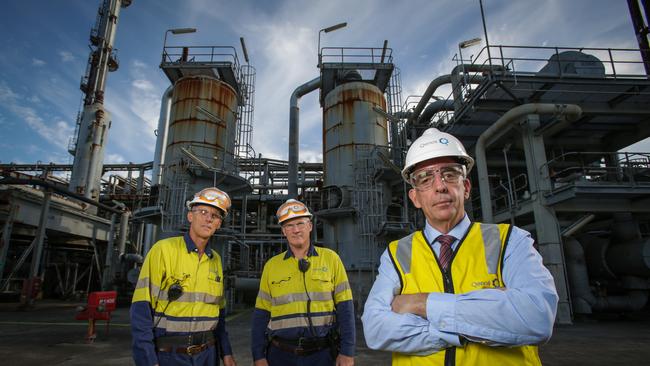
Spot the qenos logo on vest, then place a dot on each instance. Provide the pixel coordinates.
(486, 284)
(321, 269)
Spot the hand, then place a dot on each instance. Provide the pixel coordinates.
(261, 362)
(229, 360)
(343, 360)
(413, 303)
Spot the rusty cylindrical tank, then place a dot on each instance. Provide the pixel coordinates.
(203, 118)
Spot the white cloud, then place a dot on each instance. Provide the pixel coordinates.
(66, 56)
(114, 159)
(57, 132)
(37, 62)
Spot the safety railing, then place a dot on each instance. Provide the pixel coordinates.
(522, 61)
(632, 168)
(206, 55)
(362, 55)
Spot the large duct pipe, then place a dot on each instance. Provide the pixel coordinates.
(433, 108)
(161, 140)
(583, 299)
(294, 130)
(581, 296)
(501, 125)
(465, 68)
(433, 86)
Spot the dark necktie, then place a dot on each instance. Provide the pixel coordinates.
(445, 250)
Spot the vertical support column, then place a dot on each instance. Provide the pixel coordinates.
(108, 265)
(5, 239)
(546, 224)
(38, 250)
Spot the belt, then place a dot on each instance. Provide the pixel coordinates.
(188, 339)
(301, 346)
(188, 350)
(190, 344)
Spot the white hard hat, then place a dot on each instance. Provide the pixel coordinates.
(292, 209)
(212, 196)
(435, 144)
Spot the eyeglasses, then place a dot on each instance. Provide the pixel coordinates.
(296, 225)
(423, 179)
(207, 214)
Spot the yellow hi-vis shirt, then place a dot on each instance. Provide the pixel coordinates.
(285, 290)
(171, 261)
(476, 263)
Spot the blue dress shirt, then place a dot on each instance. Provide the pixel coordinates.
(523, 313)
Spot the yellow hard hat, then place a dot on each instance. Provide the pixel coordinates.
(212, 196)
(291, 209)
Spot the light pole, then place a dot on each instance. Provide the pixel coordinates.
(466, 44)
(327, 30)
(175, 31)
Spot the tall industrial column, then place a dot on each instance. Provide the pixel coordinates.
(94, 121)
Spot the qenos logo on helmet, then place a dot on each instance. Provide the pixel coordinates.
(441, 140)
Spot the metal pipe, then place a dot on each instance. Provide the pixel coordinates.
(161, 140)
(465, 68)
(124, 224)
(59, 190)
(576, 226)
(435, 84)
(294, 129)
(501, 125)
(108, 264)
(433, 108)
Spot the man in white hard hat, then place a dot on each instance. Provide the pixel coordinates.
(303, 313)
(177, 313)
(457, 292)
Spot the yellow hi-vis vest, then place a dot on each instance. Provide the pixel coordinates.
(476, 264)
(198, 308)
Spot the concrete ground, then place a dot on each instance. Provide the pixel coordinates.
(49, 335)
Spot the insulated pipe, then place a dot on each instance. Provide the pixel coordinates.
(433, 108)
(581, 296)
(465, 68)
(435, 84)
(294, 129)
(501, 125)
(161, 140)
(124, 224)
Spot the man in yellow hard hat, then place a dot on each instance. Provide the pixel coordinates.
(303, 313)
(457, 292)
(177, 314)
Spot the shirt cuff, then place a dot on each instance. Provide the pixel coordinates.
(441, 308)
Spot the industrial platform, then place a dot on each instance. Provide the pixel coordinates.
(49, 335)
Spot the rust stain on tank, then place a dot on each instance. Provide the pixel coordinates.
(198, 126)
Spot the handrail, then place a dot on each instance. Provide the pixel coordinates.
(356, 54)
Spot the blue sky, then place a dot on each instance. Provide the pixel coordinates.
(44, 50)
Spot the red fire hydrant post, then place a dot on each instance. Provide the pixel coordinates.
(99, 307)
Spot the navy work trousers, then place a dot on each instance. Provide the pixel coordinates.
(278, 357)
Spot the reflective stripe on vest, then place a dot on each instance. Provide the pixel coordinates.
(418, 270)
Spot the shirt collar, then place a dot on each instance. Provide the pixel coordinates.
(191, 247)
(311, 252)
(457, 231)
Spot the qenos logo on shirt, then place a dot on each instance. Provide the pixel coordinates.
(321, 269)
